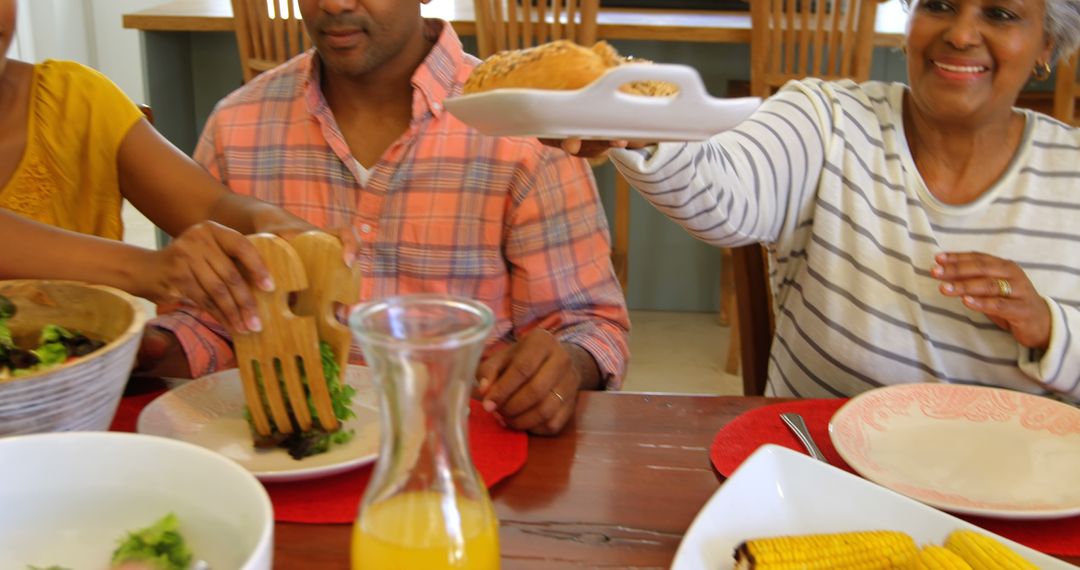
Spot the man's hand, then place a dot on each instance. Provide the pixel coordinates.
(160, 355)
(533, 385)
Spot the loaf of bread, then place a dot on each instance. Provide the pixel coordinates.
(558, 65)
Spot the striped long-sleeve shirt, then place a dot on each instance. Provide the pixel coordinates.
(505, 221)
(823, 174)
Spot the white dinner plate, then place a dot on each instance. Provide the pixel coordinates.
(209, 412)
(966, 449)
(777, 491)
(600, 111)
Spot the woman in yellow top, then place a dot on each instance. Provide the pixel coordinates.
(73, 147)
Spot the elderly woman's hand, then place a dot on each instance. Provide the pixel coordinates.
(998, 288)
(590, 148)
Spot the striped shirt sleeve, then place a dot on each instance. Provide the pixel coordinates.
(745, 185)
(1058, 367)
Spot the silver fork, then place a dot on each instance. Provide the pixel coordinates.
(798, 427)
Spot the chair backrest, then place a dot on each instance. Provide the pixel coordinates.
(1066, 89)
(755, 316)
(793, 39)
(268, 33)
(147, 112)
(516, 24)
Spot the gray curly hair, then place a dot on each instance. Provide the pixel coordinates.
(1061, 22)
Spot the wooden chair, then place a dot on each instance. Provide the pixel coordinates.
(147, 112)
(1066, 88)
(268, 32)
(515, 24)
(789, 39)
(752, 330)
(793, 39)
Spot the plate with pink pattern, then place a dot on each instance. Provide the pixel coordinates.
(966, 449)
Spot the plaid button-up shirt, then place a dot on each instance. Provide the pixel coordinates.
(506, 221)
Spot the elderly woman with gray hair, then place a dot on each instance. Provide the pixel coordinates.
(921, 233)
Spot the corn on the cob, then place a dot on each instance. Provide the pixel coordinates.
(984, 553)
(939, 558)
(870, 550)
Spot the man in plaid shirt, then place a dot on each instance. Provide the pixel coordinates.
(354, 134)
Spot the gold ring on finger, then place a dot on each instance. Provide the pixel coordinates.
(558, 395)
(1004, 288)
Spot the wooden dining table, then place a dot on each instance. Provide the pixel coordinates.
(617, 489)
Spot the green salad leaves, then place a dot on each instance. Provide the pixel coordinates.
(316, 440)
(55, 346)
(159, 546)
(7, 310)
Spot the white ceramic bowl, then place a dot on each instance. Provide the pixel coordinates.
(82, 394)
(68, 497)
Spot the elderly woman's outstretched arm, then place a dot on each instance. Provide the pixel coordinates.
(823, 173)
(746, 185)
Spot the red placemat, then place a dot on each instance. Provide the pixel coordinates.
(497, 452)
(738, 439)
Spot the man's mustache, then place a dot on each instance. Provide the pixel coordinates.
(348, 22)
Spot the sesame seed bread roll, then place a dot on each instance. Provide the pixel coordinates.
(558, 65)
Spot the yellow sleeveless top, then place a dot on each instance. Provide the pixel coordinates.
(67, 176)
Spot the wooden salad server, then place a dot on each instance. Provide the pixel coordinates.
(273, 357)
(331, 284)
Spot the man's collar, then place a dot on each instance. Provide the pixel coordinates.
(433, 81)
(436, 78)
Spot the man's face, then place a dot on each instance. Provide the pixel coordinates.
(356, 37)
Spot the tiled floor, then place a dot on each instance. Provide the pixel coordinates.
(670, 352)
(678, 352)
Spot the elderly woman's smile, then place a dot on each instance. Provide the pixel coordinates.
(959, 69)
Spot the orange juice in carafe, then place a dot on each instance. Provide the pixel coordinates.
(425, 507)
(407, 532)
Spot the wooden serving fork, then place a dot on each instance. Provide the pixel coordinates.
(330, 283)
(289, 341)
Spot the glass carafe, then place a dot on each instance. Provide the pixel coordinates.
(425, 506)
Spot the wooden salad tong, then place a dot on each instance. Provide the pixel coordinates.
(312, 266)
